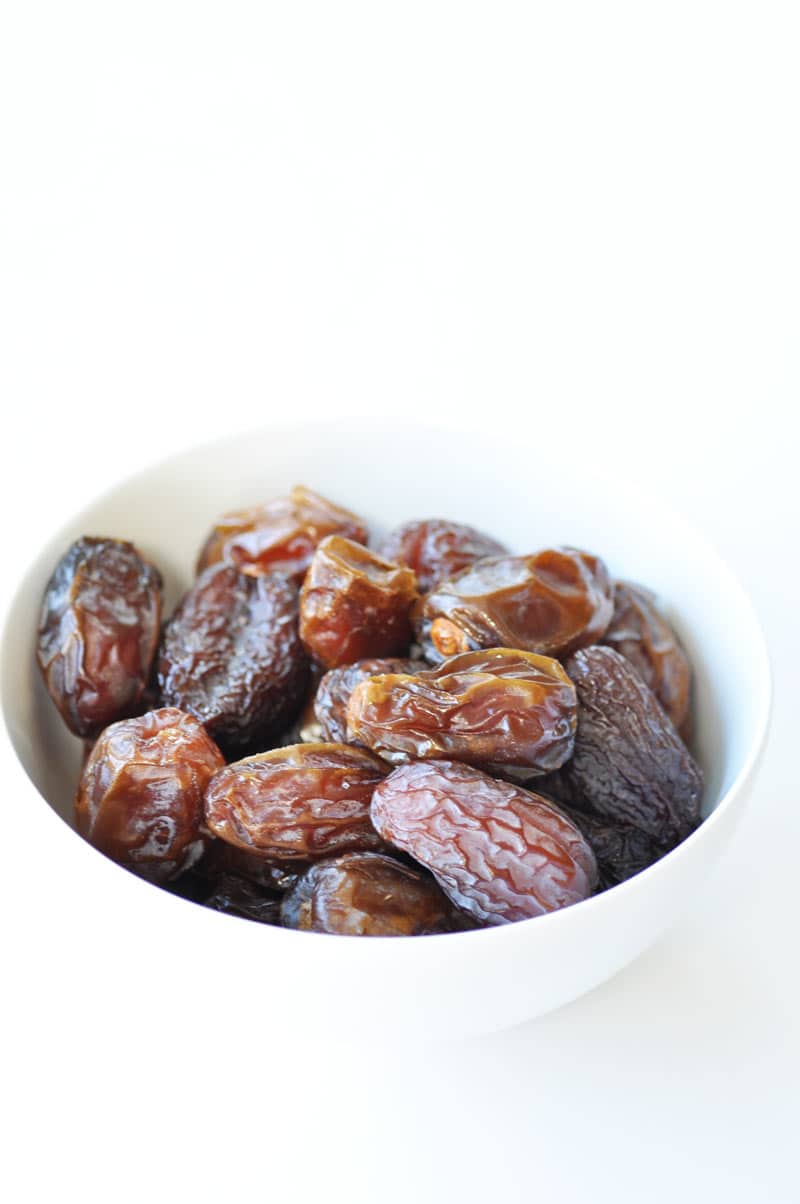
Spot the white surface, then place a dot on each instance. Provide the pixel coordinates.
(210, 212)
(459, 986)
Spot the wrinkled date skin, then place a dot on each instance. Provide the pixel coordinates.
(333, 692)
(354, 605)
(621, 849)
(98, 632)
(629, 765)
(280, 536)
(239, 897)
(231, 656)
(140, 796)
(297, 804)
(494, 707)
(500, 853)
(367, 894)
(640, 633)
(437, 549)
(552, 603)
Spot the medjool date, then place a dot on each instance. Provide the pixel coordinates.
(335, 688)
(280, 536)
(140, 797)
(368, 894)
(231, 655)
(500, 853)
(621, 849)
(354, 605)
(98, 632)
(297, 804)
(552, 603)
(493, 707)
(238, 897)
(437, 549)
(629, 764)
(640, 633)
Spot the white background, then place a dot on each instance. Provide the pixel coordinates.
(213, 213)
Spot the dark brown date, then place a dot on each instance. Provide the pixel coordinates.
(333, 692)
(238, 897)
(222, 859)
(552, 602)
(621, 849)
(629, 765)
(140, 796)
(354, 605)
(437, 549)
(500, 853)
(297, 804)
(280, 536)
(367, 894)
(98, 632)
(493, 707)
(640, 633)
(231, 655)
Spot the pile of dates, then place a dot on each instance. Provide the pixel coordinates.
(427, 735)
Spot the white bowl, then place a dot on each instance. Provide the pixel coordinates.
(156, 947)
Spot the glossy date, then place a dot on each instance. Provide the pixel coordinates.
(368, 894)
(493, 707)
(281, 536)
(500, 853)
(140, 796)
(437, 549)
(231, 655)
(98, 632)
(298, 803)
(353, 604)
(551, 603)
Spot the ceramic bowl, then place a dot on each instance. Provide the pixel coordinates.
(158, 951)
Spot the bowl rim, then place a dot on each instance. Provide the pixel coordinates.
(758, 653)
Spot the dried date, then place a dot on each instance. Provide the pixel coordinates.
(298, 803)
(368, 894)
(231, 655)
(335, 688)
(621, 849)
(239, 897)
(280, 536)
(437, 549)
(493, 707)
(354, 605)
(98, 632)
(640, 633)
(552, 603)
(629, 764)
(140, 796)
(500, 853)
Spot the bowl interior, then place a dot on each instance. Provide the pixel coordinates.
(506, 486)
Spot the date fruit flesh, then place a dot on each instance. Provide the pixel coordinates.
(640, 633)
(437, 549)
(354, 605)
(493, 707)
(280, 536)
(629, 765)
(500, 853)
(140, 796)
(231, 655)
(98, 632)
(552, 603)
(298, 803)
(335, 688)
(368, 894)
